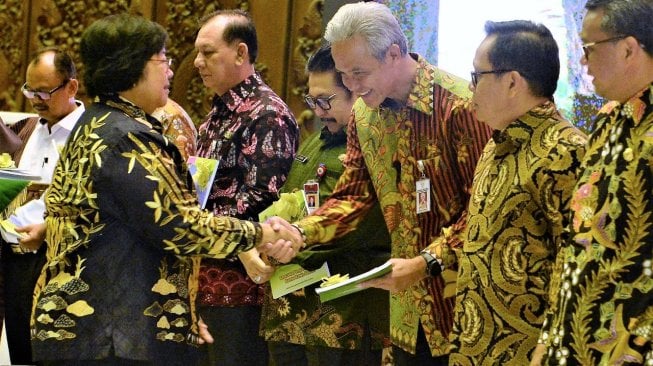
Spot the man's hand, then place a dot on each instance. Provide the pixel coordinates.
(279, 224)
(256, 268)
(405, 273)
(34, 236)
(280, 240)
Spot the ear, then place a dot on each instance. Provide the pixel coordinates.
(242, 53)
(632, 47)
(72, 87)
(516, 83)
(394, 52)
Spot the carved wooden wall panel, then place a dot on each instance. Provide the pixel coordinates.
(13, 49)
(181, 18)
(306, 36)
(288, 31)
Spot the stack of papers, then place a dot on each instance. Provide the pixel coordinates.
(350, 286)
(30, 213)
(14, 173)
(9, 233)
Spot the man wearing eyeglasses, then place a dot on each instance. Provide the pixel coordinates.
(412, 132)
(602, 310)
(519, 198)
(50, 87)
(299, 329)
(253, 134)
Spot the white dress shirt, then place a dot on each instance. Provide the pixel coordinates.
(42, 149)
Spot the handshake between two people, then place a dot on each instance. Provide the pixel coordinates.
(280, 240)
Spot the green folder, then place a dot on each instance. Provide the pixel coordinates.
(9, 190)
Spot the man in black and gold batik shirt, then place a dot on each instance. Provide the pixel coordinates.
(521, 190)
(602, 308)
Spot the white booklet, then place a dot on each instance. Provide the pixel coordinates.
(15, 173)
(350, 285)
(30, 213)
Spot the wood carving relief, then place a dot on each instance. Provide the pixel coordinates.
(181, 20)
(13, 16)
(289, 32)
(61, 23)
(306, 39)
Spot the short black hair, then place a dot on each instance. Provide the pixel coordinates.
(322, 61)
(241, 28)
(627, 18)
(529, 49)
(63, 63)
(114, 51)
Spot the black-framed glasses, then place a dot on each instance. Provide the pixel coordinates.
(168, 60)
(322, 102)
(477, 74)
(587, 47)
(43, 95)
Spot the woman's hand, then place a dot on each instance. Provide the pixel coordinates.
(205, 335)
(256, 268)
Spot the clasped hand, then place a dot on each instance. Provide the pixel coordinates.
(280, 240)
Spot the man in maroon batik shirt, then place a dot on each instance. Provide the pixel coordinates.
(253, 134)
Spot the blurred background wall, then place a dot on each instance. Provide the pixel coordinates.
(445, 32)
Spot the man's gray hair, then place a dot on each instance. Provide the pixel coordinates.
(374, 22)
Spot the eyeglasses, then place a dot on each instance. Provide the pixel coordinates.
(587, 46)
(322, 102)
(168, 60)
(43, 95)
(476, 74)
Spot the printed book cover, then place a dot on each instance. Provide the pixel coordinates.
(203, 172)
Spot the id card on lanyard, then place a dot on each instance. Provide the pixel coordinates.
(312, 195)
(422, 190)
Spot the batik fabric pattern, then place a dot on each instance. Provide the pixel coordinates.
(120, 227)
(253, 134)
(522, 187)
(385, 148)
(299, 317)
(603, 308)
(178, 127)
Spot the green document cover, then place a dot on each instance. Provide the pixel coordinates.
(289, 206)
(292, 277)
(9, 190)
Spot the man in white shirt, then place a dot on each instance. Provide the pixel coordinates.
(51, 86)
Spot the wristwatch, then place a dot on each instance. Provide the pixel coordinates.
(301, 232)
(433, 265)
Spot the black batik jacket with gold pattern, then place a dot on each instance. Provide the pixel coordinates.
(121, 229)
